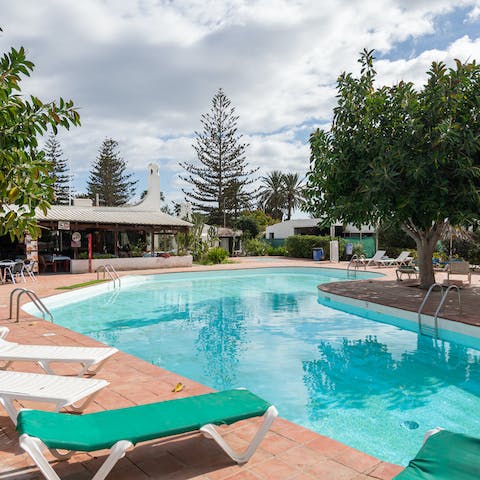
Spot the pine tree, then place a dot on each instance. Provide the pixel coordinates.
(60, 170)
(222, 171)
(108, 178)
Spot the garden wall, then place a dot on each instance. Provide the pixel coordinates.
(132, 263)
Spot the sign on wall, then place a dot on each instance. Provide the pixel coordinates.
(63, 225)
(76, 240)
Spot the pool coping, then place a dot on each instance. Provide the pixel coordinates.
(428, 321)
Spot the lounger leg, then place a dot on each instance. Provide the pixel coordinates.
(73, 406)
(243, 457)
(94, 371)
(46, 366)
(34, 446)
(10, 408)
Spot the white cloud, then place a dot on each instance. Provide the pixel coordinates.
(143, 72)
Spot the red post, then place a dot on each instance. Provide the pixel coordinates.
(90, 252)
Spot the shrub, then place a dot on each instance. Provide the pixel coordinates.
(279, 251)
(256, 247)
(216, 255)
(138, 249)
(301, 246)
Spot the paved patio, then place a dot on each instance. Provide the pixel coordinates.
(288, 452)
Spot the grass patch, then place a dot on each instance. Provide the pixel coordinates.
(79, 285)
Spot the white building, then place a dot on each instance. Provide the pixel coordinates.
(310, 226)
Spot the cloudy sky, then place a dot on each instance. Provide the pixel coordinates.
(143, 72)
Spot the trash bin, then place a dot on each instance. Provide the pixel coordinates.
(317, 254)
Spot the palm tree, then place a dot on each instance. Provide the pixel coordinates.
(293, 192)
(272, 197)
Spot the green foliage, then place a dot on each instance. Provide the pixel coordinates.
(138, 249)
(215, 255)
(280, 192)
(394, 240)
(221, 175)
(277, 251)
(108, 179)
(399, 155)
(301, 246)
(256, 247)
(272, 198)
(260, 218)
(60, 174)
(357, 249)
(468, 249)
(248, 226)
(96, 256)
(26, 181)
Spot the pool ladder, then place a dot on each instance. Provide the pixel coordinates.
(433, 331)
(33, 297)
(355, 263)
(109, 269)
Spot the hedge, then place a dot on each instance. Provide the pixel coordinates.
(301, 246)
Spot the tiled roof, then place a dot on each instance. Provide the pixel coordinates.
(111, 215)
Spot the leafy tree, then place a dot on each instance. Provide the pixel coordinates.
(272, 196)
(108, 178)
(220, 178)
(25, 174)
(60, 174)
(248, 226)
(261, 219)
(293, 191)
(400, 156)
(237, 199)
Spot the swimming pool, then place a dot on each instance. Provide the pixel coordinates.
(368, 384)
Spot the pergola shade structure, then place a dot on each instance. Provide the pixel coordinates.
(112, 222)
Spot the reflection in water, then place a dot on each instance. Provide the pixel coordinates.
(221, 338)
(350, 374)
(281, 302)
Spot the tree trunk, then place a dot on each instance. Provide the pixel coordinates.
(425, 249)
(426, 241)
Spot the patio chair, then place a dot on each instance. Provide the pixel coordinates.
(407, 270)
(445, 456)
(90, 358)
(459, 268)
(14, 271)
(371, 261)
(61, 391)
(120, 429)
(29, 269)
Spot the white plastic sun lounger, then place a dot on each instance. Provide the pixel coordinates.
(371, 261)
(120, 429)
(61, 391)
(91, 358)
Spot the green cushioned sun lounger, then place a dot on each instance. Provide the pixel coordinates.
(445, 456)
(120, 429)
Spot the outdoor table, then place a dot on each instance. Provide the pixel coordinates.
(60, 260)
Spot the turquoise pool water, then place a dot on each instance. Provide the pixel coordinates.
(368, 384)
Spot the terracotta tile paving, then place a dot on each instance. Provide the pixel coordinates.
(288, 452)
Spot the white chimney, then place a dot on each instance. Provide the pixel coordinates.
(152, 201)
